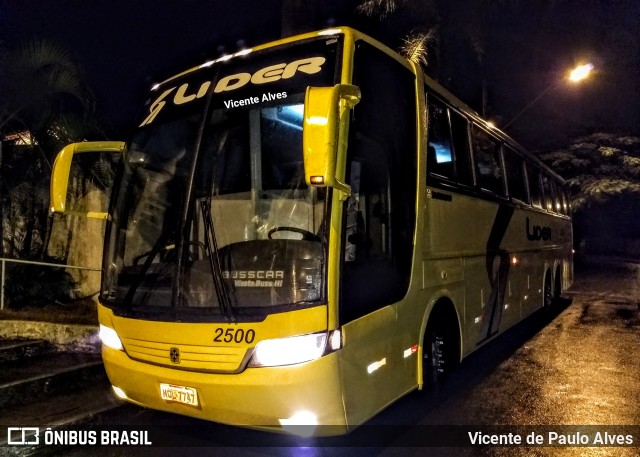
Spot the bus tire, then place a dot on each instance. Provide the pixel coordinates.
(440, 348)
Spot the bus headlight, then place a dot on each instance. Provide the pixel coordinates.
(295, 349)
(110, 338)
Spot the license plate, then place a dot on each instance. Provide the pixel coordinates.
(179, 394)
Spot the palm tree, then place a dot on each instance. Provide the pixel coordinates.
(46, 103)
(41, 87)
(382, 8)
(436, 31)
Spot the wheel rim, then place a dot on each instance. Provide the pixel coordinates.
(434, 360)
(548, 294)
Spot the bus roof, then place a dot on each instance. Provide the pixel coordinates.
(356, 35)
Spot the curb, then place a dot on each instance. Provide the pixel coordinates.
(83, 338)
(22, 390)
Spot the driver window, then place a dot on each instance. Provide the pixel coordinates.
(381, 170)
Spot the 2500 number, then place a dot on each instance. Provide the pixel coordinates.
(234, 335)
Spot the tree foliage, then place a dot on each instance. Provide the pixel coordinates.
(416, 46)
(599, 168)
(439, 35)
(603, 171)
(380, 8)
(32, 285)
(45, 103)
(43, 91)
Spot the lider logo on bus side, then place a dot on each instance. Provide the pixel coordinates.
(537, 232)
(272, 73)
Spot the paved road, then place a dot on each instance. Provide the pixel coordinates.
(578, 367)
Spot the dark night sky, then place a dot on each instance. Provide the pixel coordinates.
(126, 45)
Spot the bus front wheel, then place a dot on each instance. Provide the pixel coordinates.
(439, 351)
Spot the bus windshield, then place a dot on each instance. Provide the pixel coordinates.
(211, 216)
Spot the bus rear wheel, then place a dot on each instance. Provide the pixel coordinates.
(548, 298)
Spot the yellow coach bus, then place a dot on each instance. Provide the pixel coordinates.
(305, 231)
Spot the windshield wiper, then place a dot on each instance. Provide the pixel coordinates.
(211, 246)
(141, 275)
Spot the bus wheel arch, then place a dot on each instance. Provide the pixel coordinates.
(557, 283)
(441, 343)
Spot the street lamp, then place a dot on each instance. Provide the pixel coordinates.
(576, 75)
(580, 72)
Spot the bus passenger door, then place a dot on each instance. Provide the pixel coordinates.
(372, 369)
(376, 258)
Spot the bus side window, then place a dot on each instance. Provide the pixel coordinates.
(439, 149)
(566, 201)
(461, 147)
(535, 185)
(514, 164)
(557, 197)
(448, 151)
(548, 193)
(486, 150)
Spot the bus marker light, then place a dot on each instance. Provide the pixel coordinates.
(317, 120)
(330, 32)
(412, 350)
(376, 365)
(335, 340)
(317, 180)
(119, 392)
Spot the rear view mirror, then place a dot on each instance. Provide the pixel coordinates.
(62, 168)
(324, 134)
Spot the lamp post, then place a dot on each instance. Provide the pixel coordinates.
(576, 75)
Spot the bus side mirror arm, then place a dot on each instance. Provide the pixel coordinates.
(62, 168)
(325, 133)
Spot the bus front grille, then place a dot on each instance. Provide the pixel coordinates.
(220, 359)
